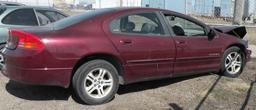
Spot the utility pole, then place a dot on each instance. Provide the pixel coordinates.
(238, 12)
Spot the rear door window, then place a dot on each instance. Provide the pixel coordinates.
(24, 17)
(139, 23)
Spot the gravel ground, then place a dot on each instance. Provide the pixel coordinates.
(206, 92)
(253, 48)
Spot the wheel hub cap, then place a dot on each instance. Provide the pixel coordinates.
(233, 63)
(98, 83)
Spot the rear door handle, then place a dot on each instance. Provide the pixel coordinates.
(126, 41)
(180, 42)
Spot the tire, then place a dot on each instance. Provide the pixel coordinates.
(232, 65)
(92, 88)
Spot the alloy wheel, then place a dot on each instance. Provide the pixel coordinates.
(98, 83)
(233, 62)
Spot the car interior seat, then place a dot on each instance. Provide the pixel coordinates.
(148, 28)
(178, 30)
(129, 27)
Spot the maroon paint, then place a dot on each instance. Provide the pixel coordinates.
(142, 57)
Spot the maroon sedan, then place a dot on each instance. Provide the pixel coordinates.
(96, 51)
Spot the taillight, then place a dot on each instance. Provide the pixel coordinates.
(22, 39)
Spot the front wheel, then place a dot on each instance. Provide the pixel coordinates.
(232, 62)
(95, 82)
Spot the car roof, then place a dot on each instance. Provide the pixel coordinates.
(120, 9)
(137, 8)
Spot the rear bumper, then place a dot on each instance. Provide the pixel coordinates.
(35, 67)
(38, 76)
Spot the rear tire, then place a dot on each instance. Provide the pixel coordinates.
(232, 63)
(95, 82)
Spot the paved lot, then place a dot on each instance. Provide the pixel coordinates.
(206, 92)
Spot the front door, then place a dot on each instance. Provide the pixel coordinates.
(195, 52)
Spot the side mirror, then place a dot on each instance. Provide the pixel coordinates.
(211, 34)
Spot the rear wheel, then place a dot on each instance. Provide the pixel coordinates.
(232, 62)
(95, 82)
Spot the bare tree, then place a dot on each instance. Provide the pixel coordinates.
(238, 12)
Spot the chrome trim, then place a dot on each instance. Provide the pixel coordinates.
(150, 60)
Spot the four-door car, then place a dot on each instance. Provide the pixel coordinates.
(96, 51)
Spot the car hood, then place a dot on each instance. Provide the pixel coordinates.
(237, 31)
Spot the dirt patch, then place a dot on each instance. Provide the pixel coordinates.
(251, 35)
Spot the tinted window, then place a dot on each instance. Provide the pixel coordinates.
(61, 24)
(21, 17)
(141, 23)
(183, 27)
(52, 15)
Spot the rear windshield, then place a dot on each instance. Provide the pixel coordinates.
(61, 24)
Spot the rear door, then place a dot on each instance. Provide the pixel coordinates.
(195, 52)
(144, 44)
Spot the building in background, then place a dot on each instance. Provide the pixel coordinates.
(250, 8)
(204, 7)
(153, 3)
(116, 3)
(131, 3)
(175, 5)
(214, 8)
(218, 8)
(106, 3)
(227, 8)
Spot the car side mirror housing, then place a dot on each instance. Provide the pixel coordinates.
(211, 34)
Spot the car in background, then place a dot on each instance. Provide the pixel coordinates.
(3, 3)
(26, 16)
(95, 52)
